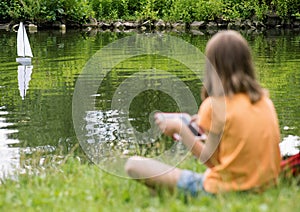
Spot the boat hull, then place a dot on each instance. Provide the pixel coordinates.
(23, 60)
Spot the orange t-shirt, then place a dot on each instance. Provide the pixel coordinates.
(248, 155)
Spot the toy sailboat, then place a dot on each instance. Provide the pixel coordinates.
(23, 46)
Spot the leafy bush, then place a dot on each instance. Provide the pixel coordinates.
(50, 10)
(239, 9)
(208, 10)
(148, 10)
(77, 10)
(261, 9)
(108, 9)
(15, 10)
(186, 10)
(31, 8)
(4, 8)
(182, 10)
(286, 8)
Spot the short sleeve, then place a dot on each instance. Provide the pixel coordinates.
(204, 114)
(212, 115)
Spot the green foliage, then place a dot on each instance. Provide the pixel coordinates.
(103, 8)
(237, 9)
(148, 10)
(115, 9)
(297, 15)
(182, 10)
(15, 10)
(50, 10)
(286, 8)
(77, 10)
(208, 10)
(174, 10)
(30, 8)
(4, 8)
(261, 9)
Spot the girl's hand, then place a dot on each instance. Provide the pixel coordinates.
(169, 126)
(195, 118)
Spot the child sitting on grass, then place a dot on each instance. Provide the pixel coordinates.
(241, 151)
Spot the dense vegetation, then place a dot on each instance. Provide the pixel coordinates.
(81, 11)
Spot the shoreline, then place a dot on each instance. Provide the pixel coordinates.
(271, 22)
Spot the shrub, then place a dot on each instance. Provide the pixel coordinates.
(4, 10)
(15, 10)
(208, 10)
(50, 10)
(148, 10)
(286, 8)
(80, 11)
(77, 10)
(182, 10)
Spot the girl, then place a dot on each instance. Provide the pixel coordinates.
(242, 147)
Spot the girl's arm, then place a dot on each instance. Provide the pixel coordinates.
(193, 143)
(202, 151)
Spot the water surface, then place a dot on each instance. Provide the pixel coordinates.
(41, 119)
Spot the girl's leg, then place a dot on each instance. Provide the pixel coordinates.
(152, 172)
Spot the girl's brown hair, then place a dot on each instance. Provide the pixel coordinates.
(229, 67)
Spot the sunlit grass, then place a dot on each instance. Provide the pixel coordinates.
(73, 185)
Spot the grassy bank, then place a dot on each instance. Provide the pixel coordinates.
(82, 11)
(78, 186)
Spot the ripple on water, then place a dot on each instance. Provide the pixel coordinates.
(9, 156)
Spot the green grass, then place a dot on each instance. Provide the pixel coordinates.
(78, 186)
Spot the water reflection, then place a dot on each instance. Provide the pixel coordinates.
(9, 156)
(106, 136)
(44, 118)
(109, 144)
(102, 126)
(24, 76)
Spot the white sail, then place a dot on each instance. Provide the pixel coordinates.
(23, 45)
(24, 76)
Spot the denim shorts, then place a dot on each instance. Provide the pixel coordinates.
(191, 183)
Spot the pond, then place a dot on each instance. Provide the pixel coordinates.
(36, 114)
